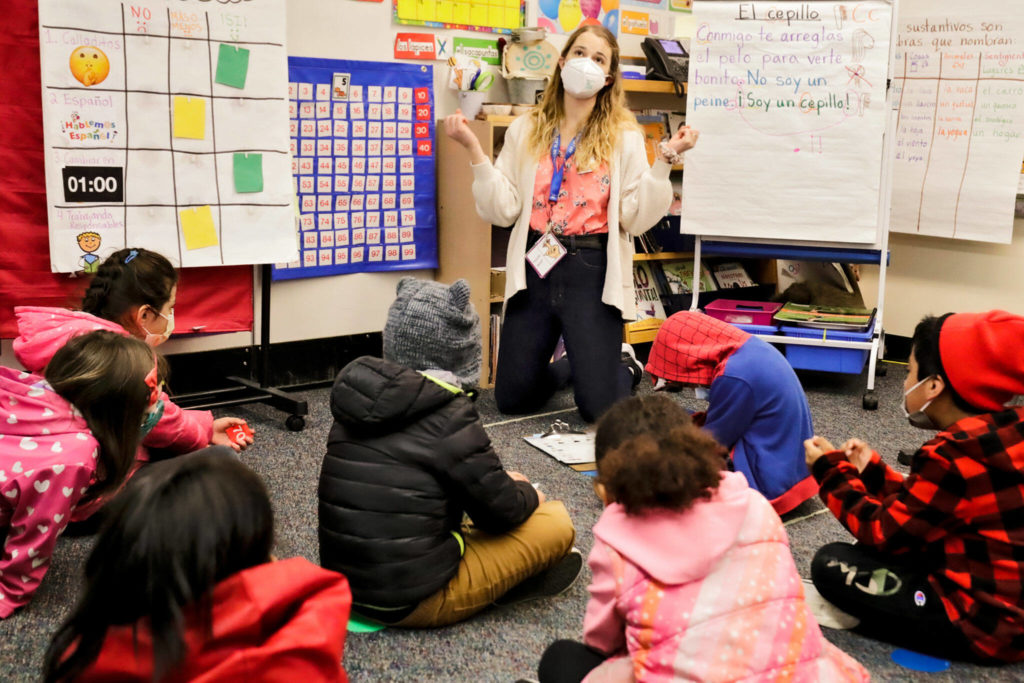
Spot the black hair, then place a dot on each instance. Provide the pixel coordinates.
(126, 279)
(925, 347)
(103, 374)
(179, 528)
(652, 456)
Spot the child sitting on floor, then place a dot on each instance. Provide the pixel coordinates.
(692, 573)
(407, 457)
(181, 586)
(756, 406)
(939, 563)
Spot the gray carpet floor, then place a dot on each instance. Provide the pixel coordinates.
(500, 644)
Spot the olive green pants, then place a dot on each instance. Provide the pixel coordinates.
(491, 565)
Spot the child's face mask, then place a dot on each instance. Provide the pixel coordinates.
(152, 418)
(918, 418)
(154, 340)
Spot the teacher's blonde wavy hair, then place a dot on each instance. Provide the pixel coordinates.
(610, 116)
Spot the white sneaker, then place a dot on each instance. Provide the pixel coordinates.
(635, 367)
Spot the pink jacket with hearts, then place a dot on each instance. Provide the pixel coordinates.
(47, 461)
(42, 331)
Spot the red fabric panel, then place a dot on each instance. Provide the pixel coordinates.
(219, 298)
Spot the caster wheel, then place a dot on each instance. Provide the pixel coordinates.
(295, 423)
(870, 401)
(881, 370)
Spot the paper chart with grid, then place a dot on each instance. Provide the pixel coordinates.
(165, 126)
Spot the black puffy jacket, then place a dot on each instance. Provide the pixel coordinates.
(405, 458)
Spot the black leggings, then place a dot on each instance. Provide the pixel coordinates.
(892, 598)
(568, 661)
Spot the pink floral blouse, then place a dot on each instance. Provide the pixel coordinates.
(582, 206)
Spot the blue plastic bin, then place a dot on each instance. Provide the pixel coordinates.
(850, 361)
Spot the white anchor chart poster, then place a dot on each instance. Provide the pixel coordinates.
(789, 98)
(166, 126)
(959, 82)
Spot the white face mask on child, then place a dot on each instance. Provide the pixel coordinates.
(154, 340)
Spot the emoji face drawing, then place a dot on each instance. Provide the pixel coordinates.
(89, 65)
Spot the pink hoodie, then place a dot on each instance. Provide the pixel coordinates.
(709, 594)
(42, 331)
(47, 462)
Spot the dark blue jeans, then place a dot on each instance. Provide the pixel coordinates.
(566, 303)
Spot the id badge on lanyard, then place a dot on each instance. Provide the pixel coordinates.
(548, 251)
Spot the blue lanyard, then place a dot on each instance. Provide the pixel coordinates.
(558, 172)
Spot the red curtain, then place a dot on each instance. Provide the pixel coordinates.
(218, 298)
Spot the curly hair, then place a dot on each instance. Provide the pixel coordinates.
(650, 455)
(609, 117)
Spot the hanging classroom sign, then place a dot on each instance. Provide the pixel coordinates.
(565, 16)
(165, 127)
(362, 138)
(789, 98)
(496, 16)
(960, 129)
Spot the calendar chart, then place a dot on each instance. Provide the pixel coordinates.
(165, 126)
(362, 145)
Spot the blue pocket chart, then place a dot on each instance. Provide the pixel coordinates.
(362, 145)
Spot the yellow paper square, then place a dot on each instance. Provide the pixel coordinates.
(189, 117)
(461, 13)
(445, 11)
(198, 228)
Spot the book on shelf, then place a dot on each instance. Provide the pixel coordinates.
(826, 317)
(655, 129)
(679, 276)
(731, 275)
(494, 338)
(648, 297)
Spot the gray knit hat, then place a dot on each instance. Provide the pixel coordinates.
(434, 326)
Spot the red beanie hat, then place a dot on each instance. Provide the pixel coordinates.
(983, 356)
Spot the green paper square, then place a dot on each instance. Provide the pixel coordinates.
(248, 173)
(232, 65)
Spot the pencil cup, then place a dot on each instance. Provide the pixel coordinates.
(470, 101)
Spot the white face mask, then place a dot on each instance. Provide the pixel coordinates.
(918, 418)
(582, 77)
(154, 340)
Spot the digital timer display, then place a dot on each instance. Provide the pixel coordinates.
(93, 183)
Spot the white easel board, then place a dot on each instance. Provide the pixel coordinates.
(790, 101)
(166, 126)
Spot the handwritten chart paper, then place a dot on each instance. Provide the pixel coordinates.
(789, 98)
(960, 133)
(146, 106)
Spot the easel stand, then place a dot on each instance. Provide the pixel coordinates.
(248, 390)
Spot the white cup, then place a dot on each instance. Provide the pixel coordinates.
(470, 102)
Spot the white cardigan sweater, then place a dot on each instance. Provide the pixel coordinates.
(640, 196)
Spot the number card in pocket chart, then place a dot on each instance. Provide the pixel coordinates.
(165, 126)
(362, 144)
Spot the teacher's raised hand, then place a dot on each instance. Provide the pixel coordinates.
(457, 128)
(684, 139)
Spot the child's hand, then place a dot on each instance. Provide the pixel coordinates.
(815, 447)
(857, 452)
(222, 438)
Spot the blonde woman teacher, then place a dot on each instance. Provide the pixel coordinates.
(573, 181)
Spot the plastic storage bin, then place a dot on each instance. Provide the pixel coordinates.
(758, 329)
(740, 312)
(850, 361)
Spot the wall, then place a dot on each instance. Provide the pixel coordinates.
(928, 275)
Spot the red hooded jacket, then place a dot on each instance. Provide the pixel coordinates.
(280, 621)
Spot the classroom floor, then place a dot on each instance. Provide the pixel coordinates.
(499, 645)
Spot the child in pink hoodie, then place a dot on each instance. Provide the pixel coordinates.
(132, 293)
(65, 441)
(692, 574)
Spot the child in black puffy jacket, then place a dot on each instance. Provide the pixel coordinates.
(407, 457)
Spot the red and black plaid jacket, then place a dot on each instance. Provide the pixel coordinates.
(961, 510)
